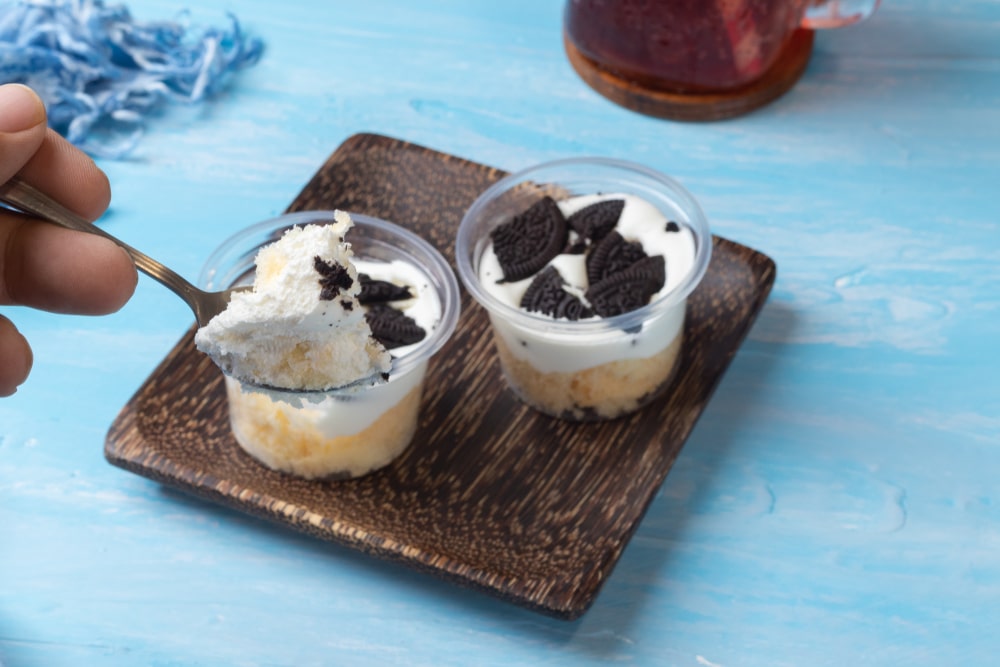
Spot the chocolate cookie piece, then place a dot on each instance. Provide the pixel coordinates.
(392, 327)
(526, 243)
(546, 295)
(333, 278)
(611, 255)
(381, 291)
(595, 221)
(629, 289)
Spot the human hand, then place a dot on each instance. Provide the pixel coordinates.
(41, 265)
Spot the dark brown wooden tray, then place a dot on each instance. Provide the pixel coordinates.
(490, 494)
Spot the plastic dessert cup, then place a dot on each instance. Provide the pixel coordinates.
(592, 368)
(343, 433)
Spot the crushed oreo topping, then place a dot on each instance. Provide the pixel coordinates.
(347, 305)
(392, 327)
(381, 291)
(526, 243)
(595, 221)
(334, 278)
(546, 295)
(611, 255)
(629, 289)
(672, 227)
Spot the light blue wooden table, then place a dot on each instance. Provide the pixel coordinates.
(837, 504)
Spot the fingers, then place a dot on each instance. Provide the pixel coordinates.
(41, 265)
(44, 159)
(62, 271)
(69, 176)
(22, 128)
(15, 358)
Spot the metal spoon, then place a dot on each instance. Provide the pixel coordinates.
(26, 199)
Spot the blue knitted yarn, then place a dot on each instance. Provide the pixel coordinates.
(101, 73)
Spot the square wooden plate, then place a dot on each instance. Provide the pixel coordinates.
(490, 494)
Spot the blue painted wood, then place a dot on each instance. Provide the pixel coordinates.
(838, 502)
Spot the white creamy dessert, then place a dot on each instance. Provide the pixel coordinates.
(298, 329)
(302, 329)
(581, 369)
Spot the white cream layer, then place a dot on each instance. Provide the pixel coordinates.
(340, 416)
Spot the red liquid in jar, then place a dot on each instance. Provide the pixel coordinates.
(683, 45)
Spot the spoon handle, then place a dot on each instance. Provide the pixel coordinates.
(28, 199)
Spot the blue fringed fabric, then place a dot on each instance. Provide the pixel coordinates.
(101, 73)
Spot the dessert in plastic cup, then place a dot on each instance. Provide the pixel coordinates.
(344, 432)
(584, 266)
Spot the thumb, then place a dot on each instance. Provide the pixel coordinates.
(22, 127)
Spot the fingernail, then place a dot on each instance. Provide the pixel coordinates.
(20, 108)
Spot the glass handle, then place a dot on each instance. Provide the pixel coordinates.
(837, 13)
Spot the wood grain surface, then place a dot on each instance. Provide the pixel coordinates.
(491, 494)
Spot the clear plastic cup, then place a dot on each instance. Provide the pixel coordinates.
(591, 368)
(343, 433)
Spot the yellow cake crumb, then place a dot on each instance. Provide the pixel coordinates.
(288, 438)
(605, 391)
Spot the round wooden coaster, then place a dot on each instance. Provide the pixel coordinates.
(704, 106)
